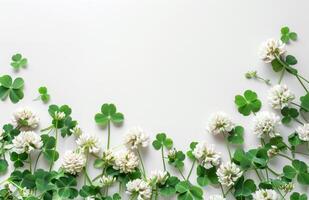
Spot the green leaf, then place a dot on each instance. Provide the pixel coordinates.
(289, 172)
(248, 103)
(244, 188)
(161, 137)
(236, 136)
(303, 178)
(291, 60)
(109, 113)
(293, 36)
(299, 165)
(6, 81)
(168, 143)
(297, 196)
(18, 61)
(285, 30)
(3, 165)
(276, 65)
(202, 180)
(305, 102)
(18, 83)
(42, 90)
(182, 186)
(156, 144)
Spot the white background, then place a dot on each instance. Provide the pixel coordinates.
(167, 65)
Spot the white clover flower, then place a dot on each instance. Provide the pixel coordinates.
(265, 195)
(26, 142)
(25, 119)
(270, 49)
(206, 155)
(107, 180)
(126, 162)
(76, 131)
(139, 188)
(265, 123)
(288, 187)
(136, 138)
(158, 177)
(108, 157)
(273, 151)
(280, 96)
(228, 174)
(73, 162)
(59, 115)
(90, 143)
(220, 123)
(303, 132)
(216, 197)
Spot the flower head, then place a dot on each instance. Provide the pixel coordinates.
(270, 49)
(303, 132)
(139, 188)
(107, 180)
(228, 174)
(273, 151)
(265, 195)
(158, 177)
(76, 131)
(26, 142)
(265, 124)
(216, 197)
(59, 115)
(25, 119)
(220, 123)
(126, 162)
(73, 162)
(206, 155)
(90, 143)
(280, 96)
(136, 138)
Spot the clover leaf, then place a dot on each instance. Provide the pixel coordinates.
(9, 132)
(305, 102)
(177, 159)
(190, 152)
(187, 191)
(88, 191)
(18, 159)
(3, 165)
(49, 143)
(169, 188)
(248, 103)
(236, 136)
(162, 141)
(206, 176)
(66, 187)
(18, 61)
(109, 114)
(286, 35)
(44, 96)
(297, 196)
(288, 114)
(299, 169)
(244, 188)
(13, 89)
(294, 140)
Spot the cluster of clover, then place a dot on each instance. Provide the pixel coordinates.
(125, 169)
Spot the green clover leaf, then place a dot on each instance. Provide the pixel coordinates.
(49, 143)
(286, 35)
(162, 141)
(288, 114)
(169, 187)
(206, 176)
(244, 188)
(3, 166)
(305, 102)
(13, 89)
(18, 159)
(297, 196)
(66, 187)
(237, 135)
(248, 103)
(44, 96)
(18, 61)
(109, 114)
(187, 191)
(190, 152)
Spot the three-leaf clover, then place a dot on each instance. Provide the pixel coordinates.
(187, 191)
(108, 114)
(44, 96)
(244, 188)
(13, 89)
(298, 169)
(18, 159)
(162, 141)
(297, 196)
(236, 135)
(18, 61)
(48, 149)
(206, 176)
(248, 103)
(286, 35)
(288, 114)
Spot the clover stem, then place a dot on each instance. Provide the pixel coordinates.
(30, 163)
(156, 194)
(37, 160)
(258, 175)
(267, 176)
(272, 171)
(301, 123)
(228, 191)
(181, 173)
(227, 146)
(56, 138)
(281, 76)
(285, 156)
(303, 78)
(142, 163)
(305, 154)
(222, 190)
(109, 134)
(48, 128)
(120, 187)
(193, 163)
(163, 160)
(85, 170)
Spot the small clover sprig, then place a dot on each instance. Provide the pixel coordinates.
(12, 88)
(287, 35)
(44, 96)
(248, 103)
(18, 61)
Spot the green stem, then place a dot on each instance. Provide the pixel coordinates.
(303, 78)
(48, 128)
(222, 190)
(191, 169)
(302, 84)
(228, 147)
(285, 156)
(163, 160)
(258, 175)
(37, 160)
(109, 134)
(85, 170)
(56, 138)
(281, 76)
(181, 173)
(30, 163)
(272, 171)
(305, 154)
(142, 163)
